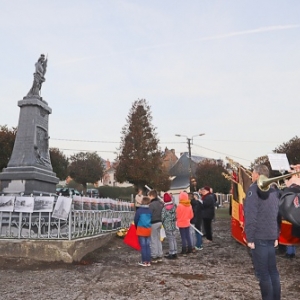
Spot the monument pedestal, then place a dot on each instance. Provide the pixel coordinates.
(29, 169)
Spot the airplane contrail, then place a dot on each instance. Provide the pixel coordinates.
(214, 37)
(251, 31)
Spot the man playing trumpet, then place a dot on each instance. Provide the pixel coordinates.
(262, 231)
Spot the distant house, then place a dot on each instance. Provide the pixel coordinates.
(169, 159)
(109, 178)
(180, 174)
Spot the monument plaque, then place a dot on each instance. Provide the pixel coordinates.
(29, 169)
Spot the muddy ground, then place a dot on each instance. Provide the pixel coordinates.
(222, 270)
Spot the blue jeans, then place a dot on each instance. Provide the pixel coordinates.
(264, 261)
(198, 239)
(145, 248)
(185, 237)
(290, 250)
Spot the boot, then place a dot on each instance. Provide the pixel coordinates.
(190, 250)
(183, 251)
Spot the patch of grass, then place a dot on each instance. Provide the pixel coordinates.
(222, 213)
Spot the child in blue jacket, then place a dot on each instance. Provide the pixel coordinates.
(142, 221)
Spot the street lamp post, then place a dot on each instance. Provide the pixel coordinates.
(190, 152)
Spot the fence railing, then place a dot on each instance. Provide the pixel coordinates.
(79, 223)
(223, 198)
(19, 225)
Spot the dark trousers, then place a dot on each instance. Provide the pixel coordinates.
(185, 237)
(264, 261)
(207, 228)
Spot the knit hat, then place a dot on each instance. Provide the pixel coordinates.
(167, 197)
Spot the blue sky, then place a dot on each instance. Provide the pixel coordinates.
(229, 69)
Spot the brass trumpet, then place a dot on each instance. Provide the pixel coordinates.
(264, 183)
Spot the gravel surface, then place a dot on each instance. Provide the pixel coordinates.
(222, 270)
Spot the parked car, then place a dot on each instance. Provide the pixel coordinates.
(67, 191)
(93, 193)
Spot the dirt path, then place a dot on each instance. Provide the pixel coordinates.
(222, 270)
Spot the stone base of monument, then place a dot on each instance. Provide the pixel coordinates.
(51, 251)
(28, 180)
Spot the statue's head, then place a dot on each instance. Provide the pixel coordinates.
(42, 57)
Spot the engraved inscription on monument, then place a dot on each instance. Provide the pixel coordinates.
(41, 147)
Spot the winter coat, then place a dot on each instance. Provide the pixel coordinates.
(168, 216)
(208, 206)
(184, 214)
(156, 207)
(197, 207)
(142, 221)
(261, 211)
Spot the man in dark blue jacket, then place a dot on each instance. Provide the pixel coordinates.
(261, 228)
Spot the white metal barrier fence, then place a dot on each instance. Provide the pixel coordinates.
(79, 223)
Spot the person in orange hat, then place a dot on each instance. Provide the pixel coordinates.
(168, 216)
(184, 214)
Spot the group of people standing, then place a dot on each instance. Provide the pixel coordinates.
(192, 211)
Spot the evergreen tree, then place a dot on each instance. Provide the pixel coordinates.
(140, 160)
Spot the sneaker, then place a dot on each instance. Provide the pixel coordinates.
(154, 260)
(148, 264)
(170, 256)
(199, 248)
(143, 264)
(159, 259)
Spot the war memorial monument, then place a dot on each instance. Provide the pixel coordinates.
(35, 223)
(29, 170)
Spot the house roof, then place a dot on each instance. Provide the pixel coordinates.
(182, 166)
(180, 183)
(181, 172)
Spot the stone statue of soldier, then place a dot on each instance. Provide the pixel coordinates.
(38, 77)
